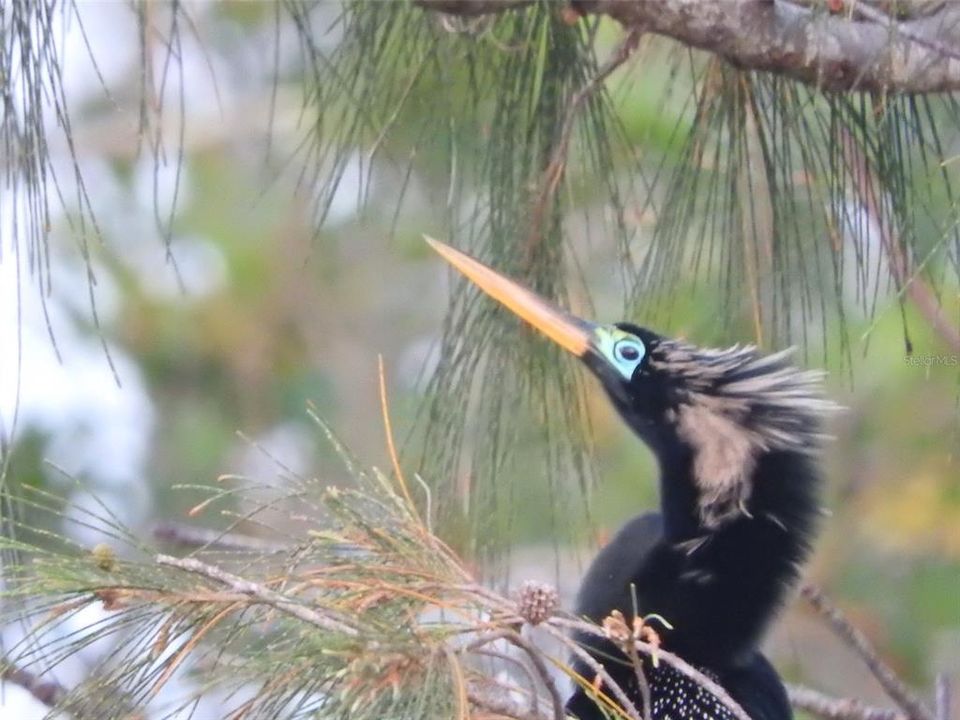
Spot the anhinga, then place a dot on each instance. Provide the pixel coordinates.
(736, 434)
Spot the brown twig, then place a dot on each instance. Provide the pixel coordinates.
(600, 672)
(641, 678)
(201, 537)
(495, 701)
(554, 171)
(459, 684)
(830, 708)
(259, 592)
(625, 636)
(536, 659)
(858, 642)
(516, 662)
(48, 692)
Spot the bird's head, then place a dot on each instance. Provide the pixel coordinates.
(721, 409)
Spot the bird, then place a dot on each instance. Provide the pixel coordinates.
(738, 437)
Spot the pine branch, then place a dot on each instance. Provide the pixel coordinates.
(258, 592)
(834, 51)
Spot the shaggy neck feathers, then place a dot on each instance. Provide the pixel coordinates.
(729, 408)
(739, 493)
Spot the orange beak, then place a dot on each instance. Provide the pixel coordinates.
(569, 332)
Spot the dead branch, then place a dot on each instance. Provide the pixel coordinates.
(845, 51)
(830, 708)
(858, 642)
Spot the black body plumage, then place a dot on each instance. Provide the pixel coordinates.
(754, 685)
(739, 502)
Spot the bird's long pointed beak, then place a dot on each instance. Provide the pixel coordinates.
(571, 333)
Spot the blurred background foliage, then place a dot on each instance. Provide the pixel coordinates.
(260, 202)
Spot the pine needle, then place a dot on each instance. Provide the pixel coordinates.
(391, 446)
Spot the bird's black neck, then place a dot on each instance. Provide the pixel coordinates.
(679, 496)
(720, 586)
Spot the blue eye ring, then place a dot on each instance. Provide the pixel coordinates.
(626, 355)
(622, 350)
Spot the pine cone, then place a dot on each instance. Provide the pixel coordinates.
(536, 601)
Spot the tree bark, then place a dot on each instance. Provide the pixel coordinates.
(853, 49)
